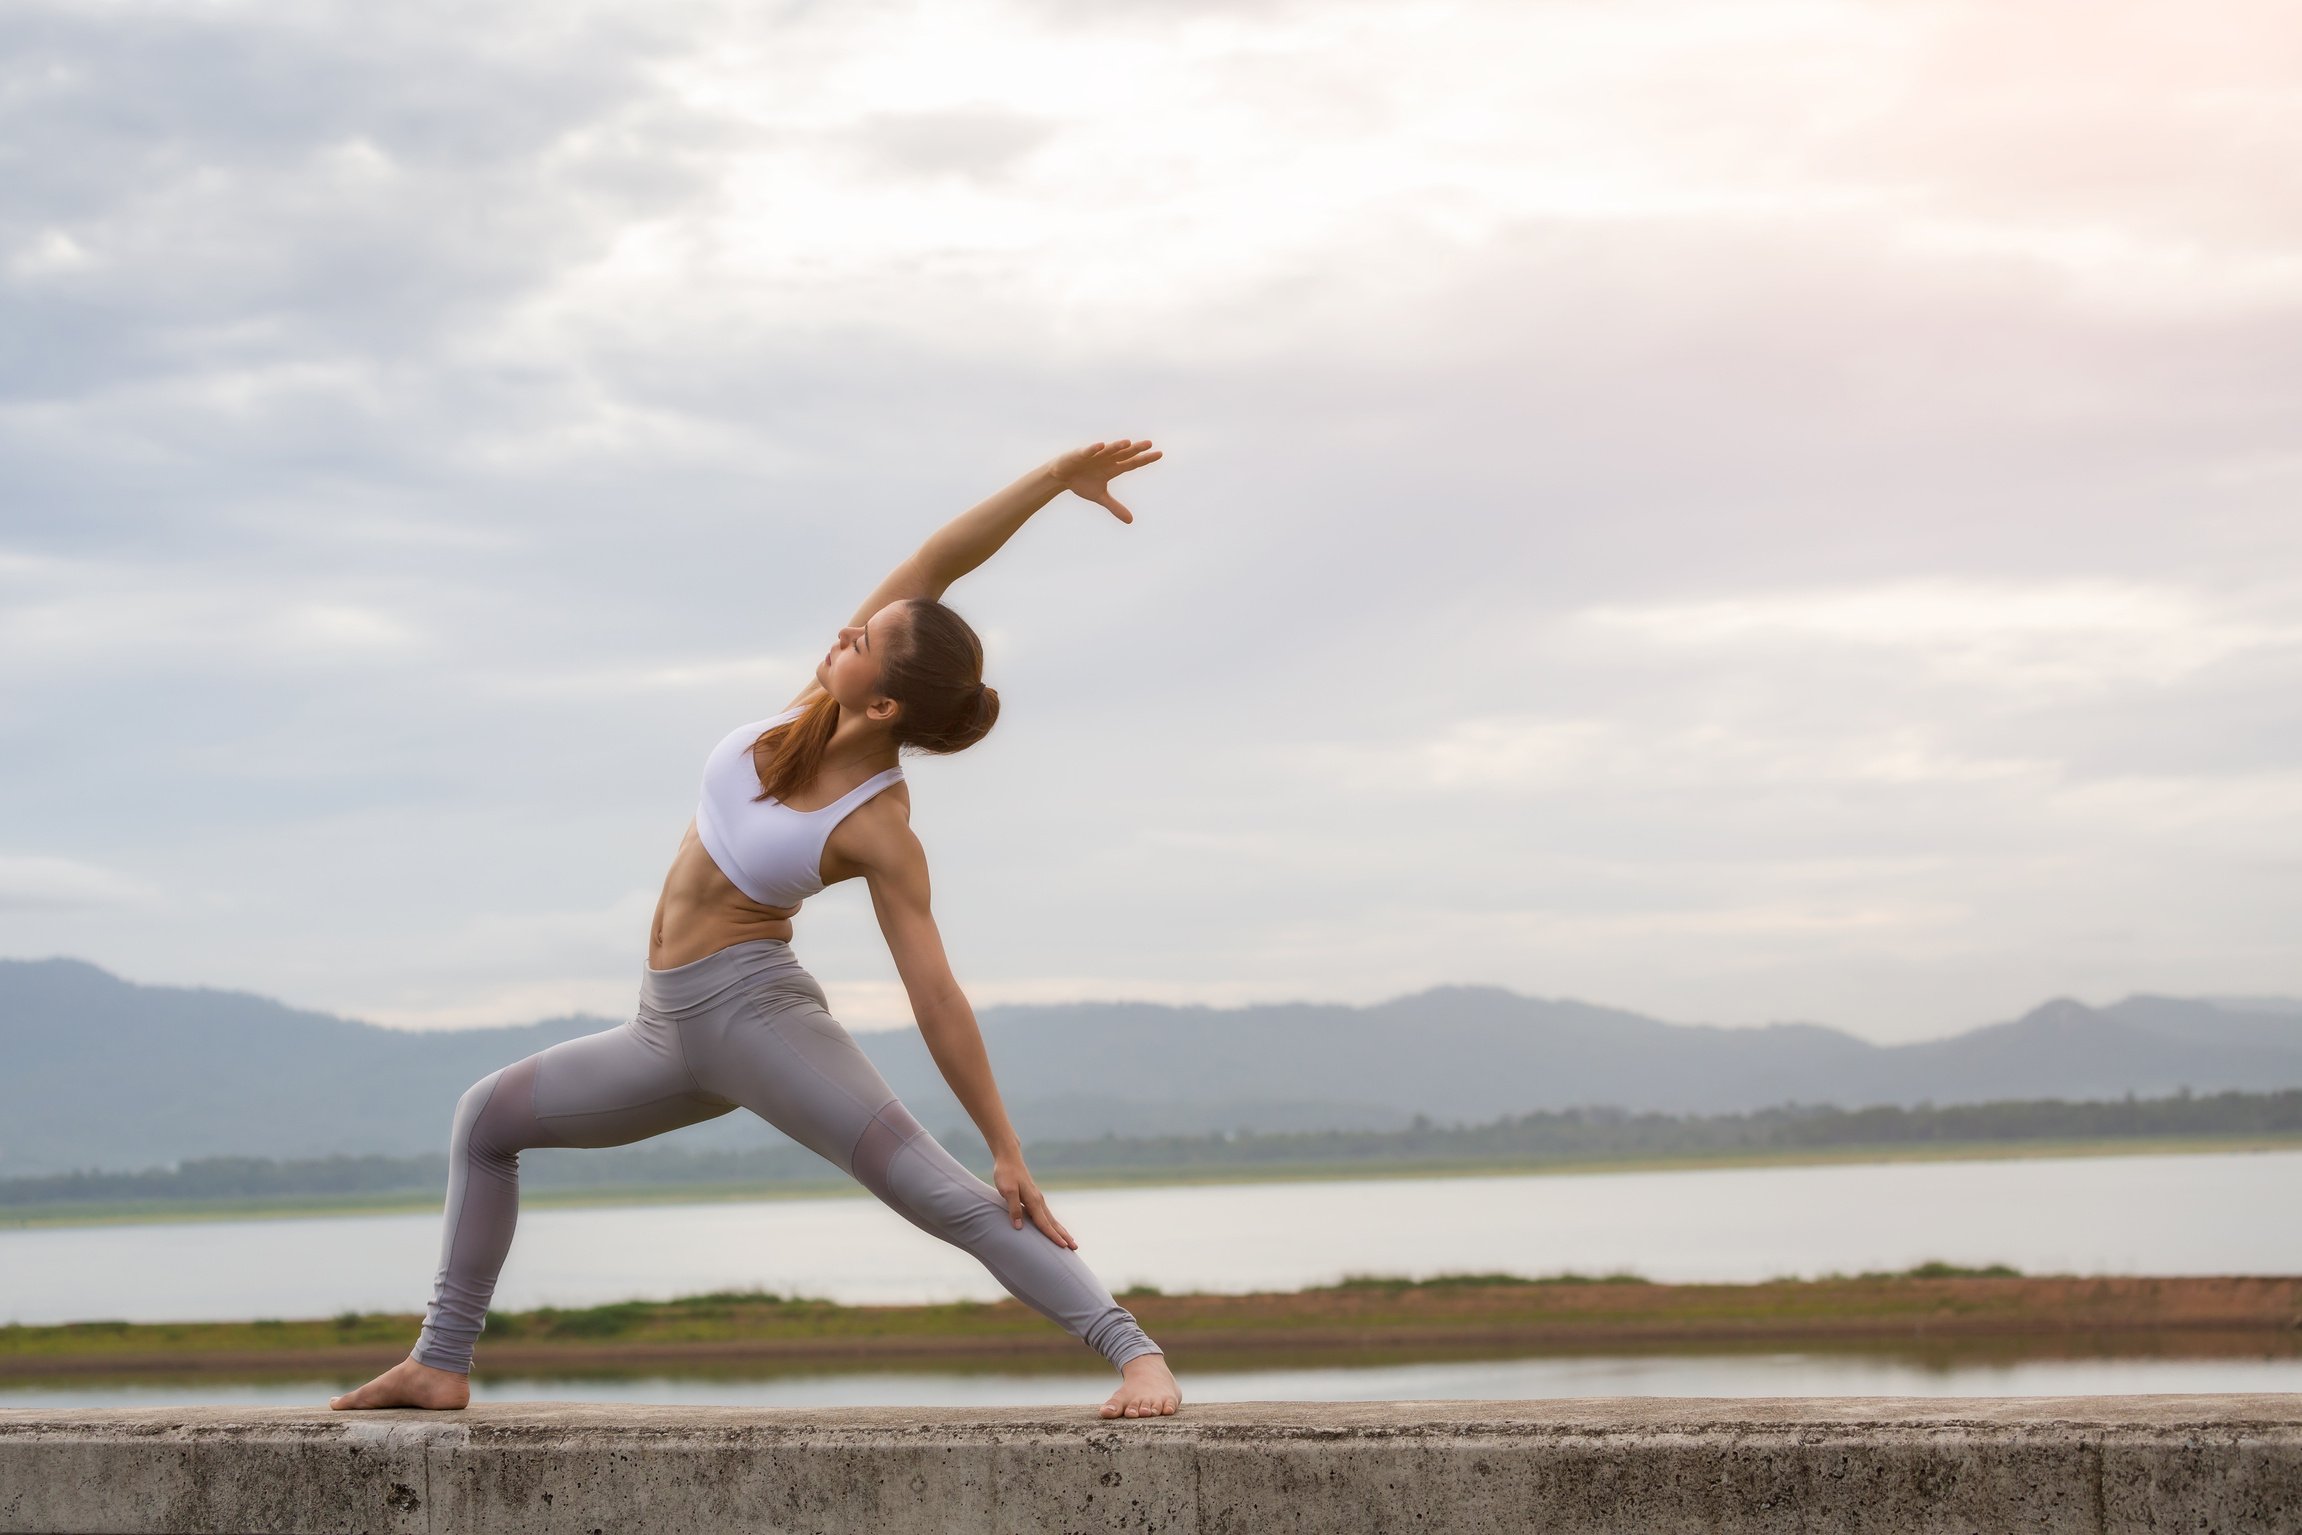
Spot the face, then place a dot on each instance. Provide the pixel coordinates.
(851, 669)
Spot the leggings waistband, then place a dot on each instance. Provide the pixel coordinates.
(699, 981)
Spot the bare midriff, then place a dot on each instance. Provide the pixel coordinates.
(700, 912)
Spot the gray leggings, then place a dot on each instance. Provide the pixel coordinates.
(743, 1027)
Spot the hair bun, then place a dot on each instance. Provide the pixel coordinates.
(934, 669)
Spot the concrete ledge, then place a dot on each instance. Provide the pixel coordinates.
(2092, 1464)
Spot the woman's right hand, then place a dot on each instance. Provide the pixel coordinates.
(1017, 1187)
(1088, 472)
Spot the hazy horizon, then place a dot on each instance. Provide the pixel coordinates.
(1776, 512)
(2265, 1003)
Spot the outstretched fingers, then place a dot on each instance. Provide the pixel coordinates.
(1106, 454)
(1026, 1199)
(1088, 471)
(1045, 1219)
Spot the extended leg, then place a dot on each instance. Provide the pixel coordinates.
(783, 1056)
(607, 1089)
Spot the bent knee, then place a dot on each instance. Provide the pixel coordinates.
(472, 1122)
(474, 1102)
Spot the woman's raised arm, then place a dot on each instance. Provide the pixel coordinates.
(976, 534)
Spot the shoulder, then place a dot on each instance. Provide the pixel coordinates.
(876, 837)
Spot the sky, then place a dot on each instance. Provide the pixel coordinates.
(1783, 511)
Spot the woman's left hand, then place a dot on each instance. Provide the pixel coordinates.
(1089, 471)
(1023, 1198)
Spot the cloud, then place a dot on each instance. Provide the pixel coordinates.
(93, 616)
(31, 882)
(2064, 636)
(978, 143)
(1773, 510)
(763, 674)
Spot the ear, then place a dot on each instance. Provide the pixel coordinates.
(881, 710)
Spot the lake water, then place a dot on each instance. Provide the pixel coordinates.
(2215, 1214)
(1785, 1374)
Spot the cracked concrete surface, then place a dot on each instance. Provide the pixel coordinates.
(2085, 1464)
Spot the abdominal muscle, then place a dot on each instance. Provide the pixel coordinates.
(701, 913)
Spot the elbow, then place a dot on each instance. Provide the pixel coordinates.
(943, 1012)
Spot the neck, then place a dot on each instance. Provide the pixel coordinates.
(859, 742)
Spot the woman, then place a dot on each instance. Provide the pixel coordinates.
(728, 1019)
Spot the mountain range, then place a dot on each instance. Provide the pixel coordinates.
(97, 1072)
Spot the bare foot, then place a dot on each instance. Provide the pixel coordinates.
(409, 1384)
(1147, 1389)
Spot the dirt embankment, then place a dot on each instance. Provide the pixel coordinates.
(1359, 1323)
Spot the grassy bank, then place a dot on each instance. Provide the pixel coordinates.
(405, 1202)
(1359, 1320)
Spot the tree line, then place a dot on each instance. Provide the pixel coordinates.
(1551, 1136)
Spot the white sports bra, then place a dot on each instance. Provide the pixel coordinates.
(767, 850)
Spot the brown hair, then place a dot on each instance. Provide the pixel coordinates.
(935, 672)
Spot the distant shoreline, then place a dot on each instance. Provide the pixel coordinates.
(1935, 1313)
(169, 1212)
